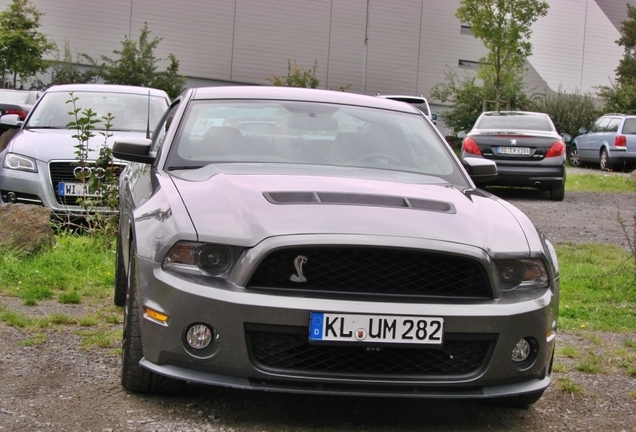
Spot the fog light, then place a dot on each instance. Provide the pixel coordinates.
(521, 351)
(199, 336)
(11, 198)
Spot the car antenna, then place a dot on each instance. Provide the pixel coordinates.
(148, 118)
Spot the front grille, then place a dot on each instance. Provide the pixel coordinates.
(63, 172)
(287, 349)
(358, 270)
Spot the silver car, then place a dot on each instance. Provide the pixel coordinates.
(610, 143)
(314, 241)
(37, 167)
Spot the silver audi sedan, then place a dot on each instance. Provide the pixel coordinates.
(314, 241)
(40, 163)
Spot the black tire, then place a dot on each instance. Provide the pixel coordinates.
(557, 193)
(120, 277)
(134, 377)
(604, 162)
(573, 157)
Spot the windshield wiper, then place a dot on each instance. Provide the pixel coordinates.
(185, 167)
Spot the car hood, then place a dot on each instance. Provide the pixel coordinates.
(58, 144)
(245, 208)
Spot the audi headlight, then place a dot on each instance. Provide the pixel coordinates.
(194, 258)
(522, 273)
(18, 162)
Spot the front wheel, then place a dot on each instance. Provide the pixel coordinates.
(133, 376)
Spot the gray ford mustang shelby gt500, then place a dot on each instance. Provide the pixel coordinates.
(314, 241)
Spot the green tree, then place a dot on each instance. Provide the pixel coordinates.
(22, 45)
(620, 96)
(504, 27)
(136, 64)
(297, 77)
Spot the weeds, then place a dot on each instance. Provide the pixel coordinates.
(566, 385)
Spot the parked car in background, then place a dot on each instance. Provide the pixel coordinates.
(38, 165)
(17, 102)
(528, 150)
(317, 241)
(418, 102)
(609, 142)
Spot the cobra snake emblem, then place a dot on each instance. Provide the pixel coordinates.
(298, 263)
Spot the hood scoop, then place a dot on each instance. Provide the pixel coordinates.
(334, 198)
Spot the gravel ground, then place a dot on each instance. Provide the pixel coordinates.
(55, 385)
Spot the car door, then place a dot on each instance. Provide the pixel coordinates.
(589, 144)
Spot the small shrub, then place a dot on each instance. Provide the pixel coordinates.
(71, 297)
(566, 385)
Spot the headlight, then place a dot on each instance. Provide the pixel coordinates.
(194, 258)
(522, 273)
(18, 162)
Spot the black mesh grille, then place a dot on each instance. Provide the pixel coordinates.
(287, 350)
(374, 271)
(63, 172)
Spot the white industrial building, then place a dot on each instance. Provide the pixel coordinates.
(410, 43)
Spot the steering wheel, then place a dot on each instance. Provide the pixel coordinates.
(374, 157)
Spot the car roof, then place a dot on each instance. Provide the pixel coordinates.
(115, 88)
(511, 113)
(299, 94)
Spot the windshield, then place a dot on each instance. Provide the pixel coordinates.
(14, 96)
(129, 111)
(312, 134)
(538, 122)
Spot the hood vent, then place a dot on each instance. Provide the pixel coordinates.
(358, 199)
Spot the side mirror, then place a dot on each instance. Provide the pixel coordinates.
(582, 130)
(134, 150)
(461, 134)
(480, 170)
(434, 116)
(11, 121)
(566, 137)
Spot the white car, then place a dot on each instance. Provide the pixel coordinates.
(418, 102)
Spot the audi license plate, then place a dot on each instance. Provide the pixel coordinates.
(376, 328)
(74, 189)
(523, 151)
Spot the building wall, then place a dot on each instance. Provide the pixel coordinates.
(411, 43)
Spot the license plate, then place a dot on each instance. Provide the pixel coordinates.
(74, 189)
(375, 328)
(524, 151)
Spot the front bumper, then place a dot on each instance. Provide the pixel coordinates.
(235, 313)
(37, 188)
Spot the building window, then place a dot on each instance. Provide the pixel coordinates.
(465, 29)
(468, 64)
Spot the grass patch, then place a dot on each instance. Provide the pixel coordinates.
(33, 340)
(599, 183)
(559, 368)
(77, 267)
(591, 364)
(598, 288)
(99, 338)
(569, 352)
(568, 386)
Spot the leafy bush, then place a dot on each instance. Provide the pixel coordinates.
(569, 111)
(296, 77)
